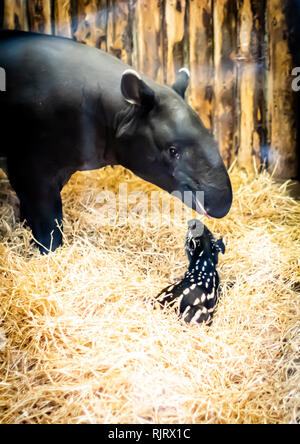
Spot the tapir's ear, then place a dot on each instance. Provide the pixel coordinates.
(182, 81)
(136, 91)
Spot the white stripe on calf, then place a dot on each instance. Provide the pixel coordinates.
(165, 296)
(210, 296)
(197, 316)
(186, 311)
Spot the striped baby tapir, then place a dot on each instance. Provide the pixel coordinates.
(196, 295)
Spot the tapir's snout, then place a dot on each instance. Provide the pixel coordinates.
(217, 202)
(210, 178)
(218, 191)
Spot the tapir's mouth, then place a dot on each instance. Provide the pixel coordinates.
(201, 207)
(215, 203)
(197, 205)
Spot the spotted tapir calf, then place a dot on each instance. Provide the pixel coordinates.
(70, 107)
(197, 293)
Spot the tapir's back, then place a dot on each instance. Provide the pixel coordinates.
(54, 87)
(40, 66)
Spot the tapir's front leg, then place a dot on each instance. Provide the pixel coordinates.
(40, 204)
(42, 211)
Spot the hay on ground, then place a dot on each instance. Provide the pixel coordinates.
(81, 343)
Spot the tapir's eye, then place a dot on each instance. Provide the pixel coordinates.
(173, 152)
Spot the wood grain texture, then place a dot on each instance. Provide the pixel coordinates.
(15, 15)
(148, 41)
(251, 70)
(174, 26)
(282, 126)
(237, 51)
(92, 23)
(201, 60)
(225, 126)
(39, 16)
(119, 31)
(63, 18)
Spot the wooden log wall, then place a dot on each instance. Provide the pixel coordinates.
(238, 52)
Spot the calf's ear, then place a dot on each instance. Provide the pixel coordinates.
(136, 91)
(182, 81)
(220, 246)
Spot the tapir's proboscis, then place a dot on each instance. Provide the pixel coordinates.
(70, 107)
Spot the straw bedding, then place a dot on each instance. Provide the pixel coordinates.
(84, 344)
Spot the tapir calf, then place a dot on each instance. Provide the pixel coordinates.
(70, 107)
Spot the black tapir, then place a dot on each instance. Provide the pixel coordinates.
(70, 107)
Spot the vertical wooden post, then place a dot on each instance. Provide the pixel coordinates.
(201, 59)
(119, 30)
(63, 18)
(251, 75)
(225, 77)
(281, 116)
(91, 23)
(15, 15)
(174, 37)
(40, 16)
(148, 41)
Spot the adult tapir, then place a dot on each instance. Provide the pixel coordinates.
(70, 107)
